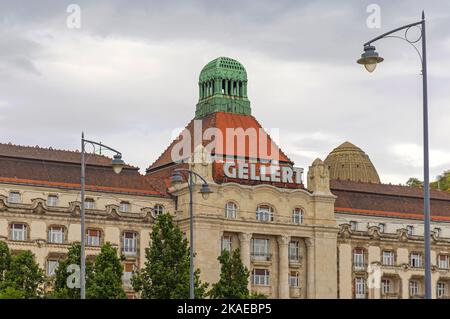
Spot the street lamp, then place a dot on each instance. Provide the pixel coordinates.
(205, 191)
(117, 165)
(370, 59)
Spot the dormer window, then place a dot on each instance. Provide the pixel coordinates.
(124, 207)
(89, 203)
(14, 198)
(410, 230)
(52, 200)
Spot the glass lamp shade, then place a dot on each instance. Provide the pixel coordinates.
(370, 67)
(370, 58)
(117, 163)
(205, 191)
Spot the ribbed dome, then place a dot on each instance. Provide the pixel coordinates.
(349, 162)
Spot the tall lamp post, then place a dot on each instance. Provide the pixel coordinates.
(117, 165)
(370, 59)
(205, 191)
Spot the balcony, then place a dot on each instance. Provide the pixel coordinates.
(295, 261)
(261, 258)
(390, 295)
(359, 267)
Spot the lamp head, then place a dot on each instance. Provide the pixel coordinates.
(176, 178)
(370, 58)
(205, 191)
(117, 163)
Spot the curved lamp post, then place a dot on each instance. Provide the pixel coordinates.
(117, 165)
(370, 59)
(205, 191)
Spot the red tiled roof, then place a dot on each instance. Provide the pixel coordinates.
(388, 200)
(37, 166)
(53, 155)
(222, 121)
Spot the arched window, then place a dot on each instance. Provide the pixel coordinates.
(297, 216)
(264, 213)
(230, 210)
(56, 234)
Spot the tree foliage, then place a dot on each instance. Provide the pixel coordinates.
(165, 274)
(5, 260)
(414, 182)
(233, 282)
(106, 280)
(23, 278)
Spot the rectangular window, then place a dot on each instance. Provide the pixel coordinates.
(128, 269)
(52, 265)
(226, 243)
(89, 203)
(440, 289)
(18, 232)
(358, 258)
(388, 258)
(294, 251)
(52, 200)
(56, 235)
(293, 279)
(260, 249)
(360, 288)
(93, 237)
(124, 207)
(129, 243)
(14, 198)
(443, 261)
(416, 260)
(382, 227)
(297, 216)
(386, 286)
(230, 210)
(260, 277)
(413, 288)
(353, 225)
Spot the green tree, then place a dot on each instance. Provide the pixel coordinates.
(5, 260)
(106, 280)
(24, 277)
(414, 182)
(233, 282)
(61, 289)
(165, 274)
(442, 182)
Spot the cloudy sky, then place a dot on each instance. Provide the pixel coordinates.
(128, 76)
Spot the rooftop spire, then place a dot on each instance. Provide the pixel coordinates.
(222, 88)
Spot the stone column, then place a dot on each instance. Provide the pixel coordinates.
(310, 269)
(283, 266)
(244, 239)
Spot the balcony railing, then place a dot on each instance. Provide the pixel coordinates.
(126, 279)
(359, 267)
(261, 256)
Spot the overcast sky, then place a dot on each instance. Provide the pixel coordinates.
(128, 76)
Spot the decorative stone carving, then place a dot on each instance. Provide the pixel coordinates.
(345, 232)
(75, 208)
(283, 239)
(319, 178)
(147, 214)
(374, 232)
(40, 242)
(38, 206)
(201, 163)
(112, 212)
(309, 242)
(402, 234)
(3, 206)
(245, 237)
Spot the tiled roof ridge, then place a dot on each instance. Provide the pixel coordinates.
(340, 185)
(51, 149)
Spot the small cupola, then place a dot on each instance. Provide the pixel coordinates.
(222, 88)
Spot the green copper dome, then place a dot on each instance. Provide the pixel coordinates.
(222, 88)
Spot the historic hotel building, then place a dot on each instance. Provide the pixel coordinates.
(342, 235)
